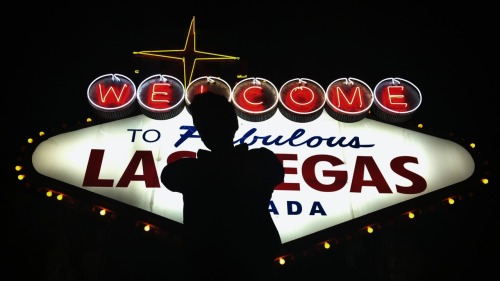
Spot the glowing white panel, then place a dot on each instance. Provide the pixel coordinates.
(436, 162)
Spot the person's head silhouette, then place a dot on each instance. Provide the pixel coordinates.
(215, 119)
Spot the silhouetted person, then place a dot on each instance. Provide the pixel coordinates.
(229, 232)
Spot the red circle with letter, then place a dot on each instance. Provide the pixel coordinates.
(255, 99)
(112, 96)
(161, 96)
(348, 99)
(207, 83)
(302, 99)
(396, 99)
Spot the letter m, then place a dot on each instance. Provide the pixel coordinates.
(352, 102)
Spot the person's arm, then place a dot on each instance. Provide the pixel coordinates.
(271, 166)
(179, 175)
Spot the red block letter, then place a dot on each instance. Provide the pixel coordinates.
(377, 180)
(150, 176)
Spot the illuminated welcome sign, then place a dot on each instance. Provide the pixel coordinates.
(302, 100)
(339, 165)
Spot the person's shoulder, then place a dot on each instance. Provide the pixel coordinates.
(266, 161)
(178, 171)
(262, 151)
(181, 163)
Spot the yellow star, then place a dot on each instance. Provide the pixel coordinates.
(189, 55)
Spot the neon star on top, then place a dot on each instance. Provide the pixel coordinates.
(189, 55)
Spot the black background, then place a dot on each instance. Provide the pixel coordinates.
(52, 52)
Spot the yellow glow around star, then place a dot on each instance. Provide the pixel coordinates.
(189, 55)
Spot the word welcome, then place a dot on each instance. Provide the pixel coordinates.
(346, 99)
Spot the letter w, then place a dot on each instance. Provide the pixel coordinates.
(109, 90)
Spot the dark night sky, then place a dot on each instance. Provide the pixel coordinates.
(447, 52)
(53, 52)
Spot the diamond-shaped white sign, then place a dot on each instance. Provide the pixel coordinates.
(342, 170)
